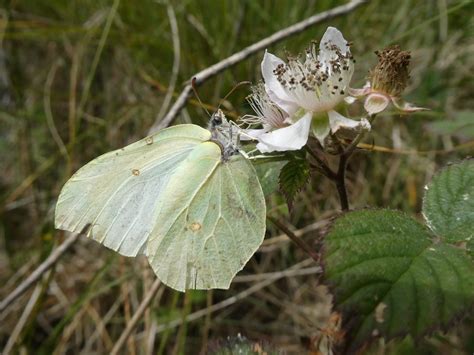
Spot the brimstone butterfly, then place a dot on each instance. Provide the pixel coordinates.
(184, 197)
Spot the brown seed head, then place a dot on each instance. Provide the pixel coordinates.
(391, 75)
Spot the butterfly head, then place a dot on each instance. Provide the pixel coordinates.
(225, 133)
(217, 119)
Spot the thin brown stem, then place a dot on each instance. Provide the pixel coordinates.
(340, 182)
(340, 179)
(322, 167)
(298, 241)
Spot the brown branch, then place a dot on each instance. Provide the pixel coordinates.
(340, 182)
(235, 58)
(298, 241)
(41, 269)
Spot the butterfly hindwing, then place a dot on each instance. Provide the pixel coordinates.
(212, 221)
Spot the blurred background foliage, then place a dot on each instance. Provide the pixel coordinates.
(80, 78)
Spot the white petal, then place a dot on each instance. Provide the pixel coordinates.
(406, 106)
(337, 121)
(250, 134)
(350, 99)
(289, 107)
(376, 103)
(332, 36)
(274, 89)
(289, 138)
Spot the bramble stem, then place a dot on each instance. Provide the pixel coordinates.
(341, 171)
(339, 177)
(340, 182)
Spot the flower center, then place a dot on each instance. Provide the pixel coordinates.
(321, 80)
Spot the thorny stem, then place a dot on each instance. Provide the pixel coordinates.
(339, 177)
(298, 241)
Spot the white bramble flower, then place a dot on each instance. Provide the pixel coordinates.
(299, 97)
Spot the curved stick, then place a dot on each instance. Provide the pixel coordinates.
(235, 58)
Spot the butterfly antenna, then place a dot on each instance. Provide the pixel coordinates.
(193, 85)
(232, 90)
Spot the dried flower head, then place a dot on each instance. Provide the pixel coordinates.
(387, 82)
(391, 74)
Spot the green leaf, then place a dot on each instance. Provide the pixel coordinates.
(463, 237)
(320, 127)
(293, 177)
(391, 279)
(268, 174)
(448, 205)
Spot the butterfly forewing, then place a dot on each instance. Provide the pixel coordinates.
(117, 192)
(184, 197)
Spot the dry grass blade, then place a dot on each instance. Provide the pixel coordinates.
(23, 320)
(176, 61)
(136, 317)
(293, 271)
(41, 269)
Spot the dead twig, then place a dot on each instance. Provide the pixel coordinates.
(235, 58)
